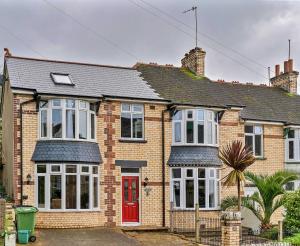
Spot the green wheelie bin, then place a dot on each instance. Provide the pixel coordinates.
(25, 218)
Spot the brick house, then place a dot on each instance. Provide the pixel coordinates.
(93, 145)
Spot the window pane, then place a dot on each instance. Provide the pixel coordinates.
(55, 168)
(200, 115)
(189, 173)
(176, 193)
(189, 192)
(85, 169)
(44, 123)
(126, 195)
(43, 104)
(56, 102)
(190, 114)
(95, 191)
(137, 125)
(41, 168)
(177, 132)
(125, 107)
(70, 123)
(137, 108)
(212, 202)
(201, 193)
(56, 123)
(55, 191)
(209, 133)
(201, 173)
(41, 191)
(176, 173)
(82, 104)
(84, 192)
(290, 186)
(92, 126)
(177, 115)
(71, 169)
(200, 133)
(258, 145)
(125, 125)
(249, 129)
(70, 103)
(189, 131)
(71, 183)
(258, 130)
(291, 134)
(249, 142)
(133, 191)
(291, 149)
(82, 124)
(95, 170)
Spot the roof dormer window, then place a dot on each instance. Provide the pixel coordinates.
(61, 78)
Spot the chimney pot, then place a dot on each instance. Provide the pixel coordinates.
(277, 70)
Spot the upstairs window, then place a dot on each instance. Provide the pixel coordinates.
(195, 127)
(60, 78)
(132, 121)
(67, 119)
(254, 139)
(292, 145)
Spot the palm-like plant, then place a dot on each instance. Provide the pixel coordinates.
(267, 199)
(237, 157)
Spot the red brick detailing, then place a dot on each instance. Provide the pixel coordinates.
(274, 136)
(229, 123)
(17, 152)
(241, 135)
(110, 182)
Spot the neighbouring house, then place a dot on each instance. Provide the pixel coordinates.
(93, 145)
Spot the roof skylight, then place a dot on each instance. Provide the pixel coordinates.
(60, 78)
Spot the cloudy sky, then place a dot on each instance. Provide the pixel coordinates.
(242, 38)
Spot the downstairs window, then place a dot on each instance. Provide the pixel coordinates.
(66, 187)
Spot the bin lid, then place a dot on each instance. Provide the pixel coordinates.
(25, 210)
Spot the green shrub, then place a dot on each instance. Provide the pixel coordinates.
(295, 240)
(271, 233)
(292, 217)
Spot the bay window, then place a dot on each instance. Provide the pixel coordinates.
(67, 119)
(195, 185)
(292, 145)
(67, 187)
(132, 121)
(254, 139)
(195, 127)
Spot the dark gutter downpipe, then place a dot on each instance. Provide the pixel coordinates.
(163, 166)
(21, 142)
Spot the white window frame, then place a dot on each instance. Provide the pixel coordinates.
(195, 178)
(184, 120)
(296, 141)
(63, 173)
(64, 109)
(132, 112)
(253, 138)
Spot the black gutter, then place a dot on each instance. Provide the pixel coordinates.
(107, 97)
(21, 142)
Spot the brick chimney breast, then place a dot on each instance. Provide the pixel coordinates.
(288, 79)
(195, 61)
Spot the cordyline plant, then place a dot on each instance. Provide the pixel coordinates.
(237, 157)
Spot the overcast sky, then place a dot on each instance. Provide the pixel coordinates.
(122, 32)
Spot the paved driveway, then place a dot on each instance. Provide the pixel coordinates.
(85, 237)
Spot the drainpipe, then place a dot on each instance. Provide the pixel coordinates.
(163, 167)
(21, 143)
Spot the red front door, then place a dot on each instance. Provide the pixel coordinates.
(130, 199)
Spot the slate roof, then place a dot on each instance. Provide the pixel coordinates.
(261, 102)
(90, 80)
(194, 156)
(66, 151)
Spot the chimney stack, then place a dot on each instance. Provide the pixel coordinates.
(195, 61)
(288, 79)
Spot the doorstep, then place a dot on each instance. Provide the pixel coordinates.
(144, 228)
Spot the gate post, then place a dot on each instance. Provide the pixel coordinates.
(171, 216)
(197, 222)
(280, 230)
(231, 223)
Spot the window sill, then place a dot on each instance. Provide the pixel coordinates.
(292, 162)
(260, 158)
(123, 140)
(193, 209)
